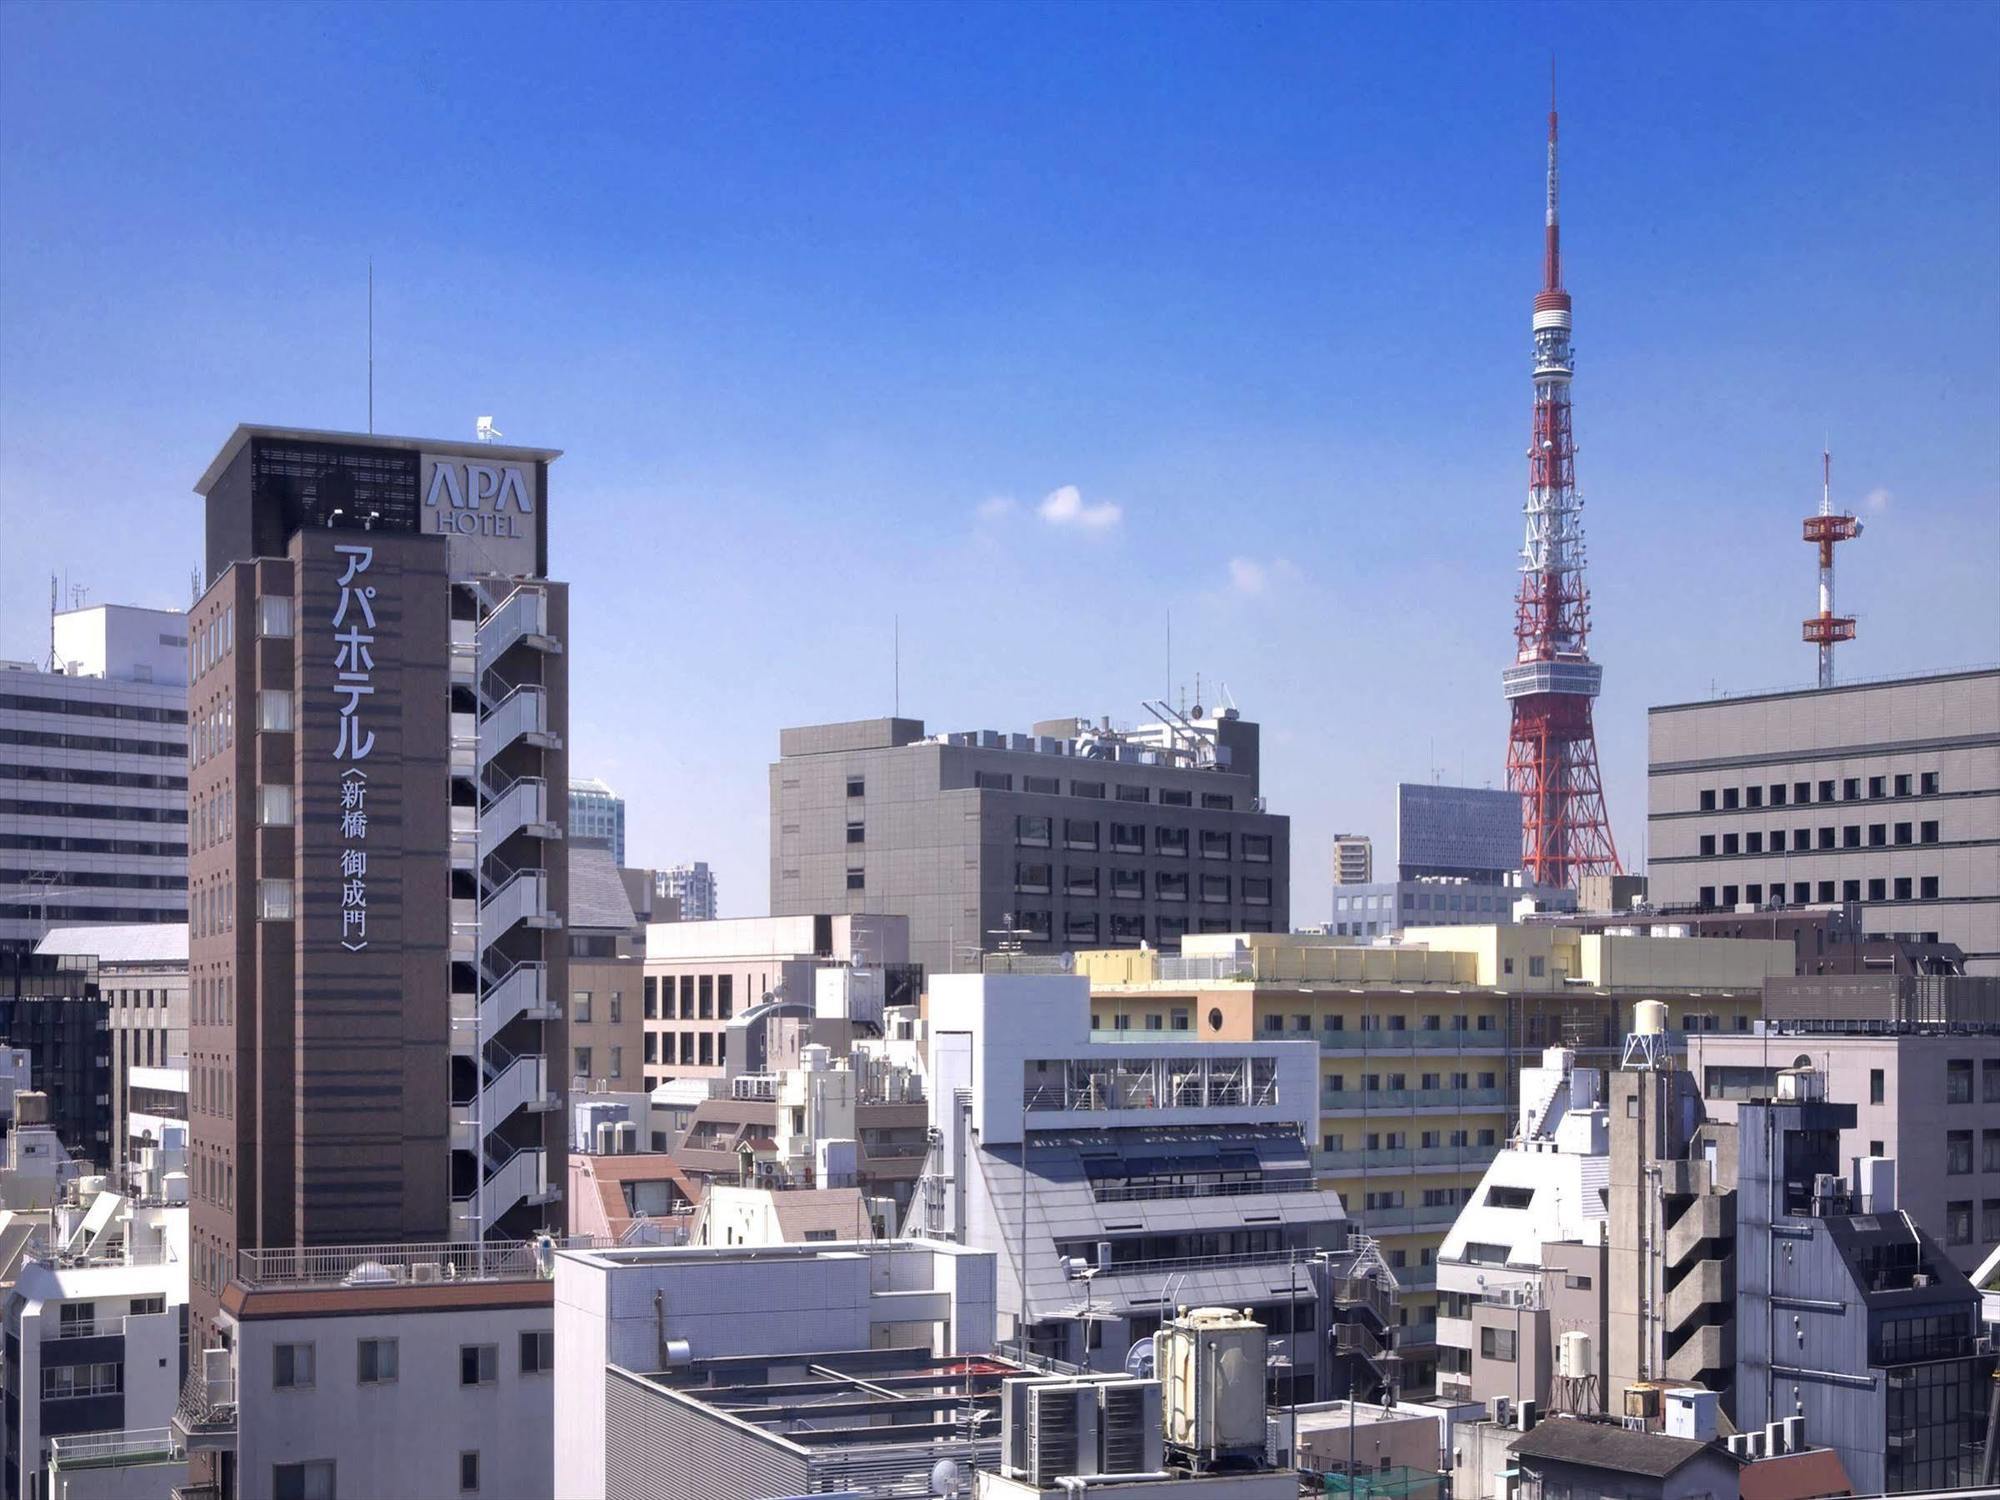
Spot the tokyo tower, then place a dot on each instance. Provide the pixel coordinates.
(1552, 750)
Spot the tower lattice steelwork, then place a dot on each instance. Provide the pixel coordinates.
(1552, 751)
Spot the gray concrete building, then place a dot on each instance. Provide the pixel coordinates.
(1919, 1059)
(1084, 836)
(94, 774)
(1883, 793)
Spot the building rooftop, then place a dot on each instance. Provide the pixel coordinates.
(122, 942)
(1813, 690)
(1807, 1475)
(245, 431)
(1608, 1445)
(597, 896)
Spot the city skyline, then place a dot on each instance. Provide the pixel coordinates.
(1033, 359)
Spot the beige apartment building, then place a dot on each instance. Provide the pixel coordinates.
(1421, 1046)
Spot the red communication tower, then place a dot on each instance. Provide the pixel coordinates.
(1826, 629)
(1552, 751)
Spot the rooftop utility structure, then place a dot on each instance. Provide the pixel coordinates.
(1827, 629)
(1552, 750)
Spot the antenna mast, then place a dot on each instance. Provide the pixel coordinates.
(371, 345)
(1827, 629)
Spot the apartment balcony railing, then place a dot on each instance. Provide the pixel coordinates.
(103, 1450)
(1411, 1041)
(1380, 1221)
(1469, 1158)
(1388, 1101)
(393, 1264)
(1126, 1193)
(755, 1086)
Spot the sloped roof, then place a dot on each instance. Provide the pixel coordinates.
(1810, 1475)
(596, 893)
(1605, 1445)
(122, 942)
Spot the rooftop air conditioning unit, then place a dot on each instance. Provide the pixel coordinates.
(1062, 1432)
(1128, 1427)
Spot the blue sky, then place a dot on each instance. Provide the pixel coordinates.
(823, 302)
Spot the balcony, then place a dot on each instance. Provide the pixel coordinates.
(399, 1264)
(1392, 1101)
(519, 897)
(1440, 1158)
(1421, 1219)
(523, 616)
(1412, 1041)
(205, 1416)
(111, 1450)
(520, 806)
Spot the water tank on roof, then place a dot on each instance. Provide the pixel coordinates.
(1649, 1018)
(1573, 1361)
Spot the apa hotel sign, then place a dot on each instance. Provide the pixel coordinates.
(486, 509)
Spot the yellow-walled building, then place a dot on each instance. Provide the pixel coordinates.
(1421, 1044)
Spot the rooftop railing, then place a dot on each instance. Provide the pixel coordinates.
(395, 1264)
(104, 1449)
(1302, 1182)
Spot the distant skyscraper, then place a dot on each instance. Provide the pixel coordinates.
(1353, 859)
(597, 812)
(693, 885)
(1473, 832)
(94, 775)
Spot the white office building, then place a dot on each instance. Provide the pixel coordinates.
(693, 886)
(93, 775)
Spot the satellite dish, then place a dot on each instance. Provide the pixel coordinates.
(1139, 1360)
(944, 1477)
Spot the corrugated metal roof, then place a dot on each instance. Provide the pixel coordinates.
(122, 943)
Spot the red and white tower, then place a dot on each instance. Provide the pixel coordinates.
(1552, 752)
(1826, 629)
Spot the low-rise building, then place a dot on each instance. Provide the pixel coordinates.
(1117, 1179)
(1421, 1041)
(1919, 1059)
(607, 952)
(1577, 1456)
(699, 976)
(740, 1374)
(378, 1370)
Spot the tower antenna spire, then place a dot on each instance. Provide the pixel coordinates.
(1827, 629)
(1552, 226)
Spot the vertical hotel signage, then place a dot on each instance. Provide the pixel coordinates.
(353, 685)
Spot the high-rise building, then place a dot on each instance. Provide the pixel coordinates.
(597, 812)
(93, 775)
(1457, 832)
(1353, 859)
(1075, 836)
(693, 886)
(1885, 794)
(377, 961)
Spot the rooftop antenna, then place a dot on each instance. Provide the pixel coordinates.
(1170, 655)
(1827, 629)
(897, 652)
(371, 345)
(484, 431)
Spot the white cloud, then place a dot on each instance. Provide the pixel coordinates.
(1246, 576)
(1065, 507)
(1878, 500)
(1249, 576)
(998, 508)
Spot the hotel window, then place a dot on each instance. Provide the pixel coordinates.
(579, 1006)
(1903, 785)
(857, 833)
(292, 1367)
(1129, 927)
(1927, 783)
(1802, 791)
(1214, 845)
(1989, 1151)
(1708, 799)
(1172, 842)
(1708, 843)
(1927, 887)
(1826, 791)
(1878, 890)
(1906, 833)
(1497, 1343)
(857, 880)
(1134, 793)
(1826, 890)
(1878, 835)
(1048, 786)
(1169, 886)
(274, 710)
(1989, 1076)
(1086, 789)
(1850, 836)
(1129, 885)
(652, 1000)
(1256, 891)
(1729, 797)
(274, 616)
(1753, 796)
(1080, 833)
(1777, 794)
(1178, 1021)
(1538, 967)
(1031, 832)
(994, 781)
(274, 806)
(1903, 888)
(1753, 843)
(1928, 833)
(617, 1063)
(1033, 877)
(1080, 927)
(1257, 848)
(1777, 841)
(1218, 801)
(582, 1069)
(1704, 897)
(856, 786)
(375, 1361)
(478, 1364)
(1729, 844)
(618, 1006)
(274, 900)
(1128, 838)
